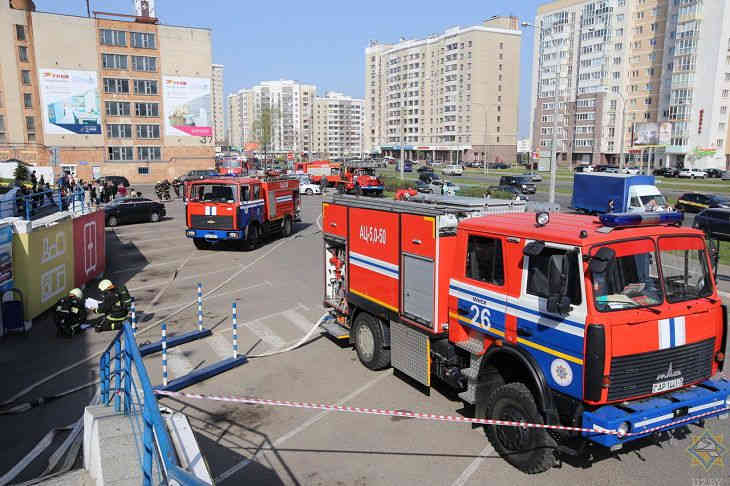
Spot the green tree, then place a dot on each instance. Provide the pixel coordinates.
(21, 173)
(264, 129)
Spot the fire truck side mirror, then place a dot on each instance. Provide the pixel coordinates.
(599, 261)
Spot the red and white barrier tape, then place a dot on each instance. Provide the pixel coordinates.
(422, 416)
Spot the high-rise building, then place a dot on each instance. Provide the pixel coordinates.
(107, 95)
(338, 126)
(625, 76)
(451, 96)
(219, 133)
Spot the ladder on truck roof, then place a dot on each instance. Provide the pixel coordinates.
(434, 205)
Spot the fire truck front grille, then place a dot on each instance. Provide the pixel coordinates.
(199, 221)
(637, 374)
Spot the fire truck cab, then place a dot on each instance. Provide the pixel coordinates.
(610, 323)
(243, 209)
(359, 177)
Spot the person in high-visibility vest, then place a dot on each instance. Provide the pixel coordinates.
(112, 306)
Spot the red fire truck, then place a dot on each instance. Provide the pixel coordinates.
(241, 209)
(319, 169)
(604, 324)
(359, 177)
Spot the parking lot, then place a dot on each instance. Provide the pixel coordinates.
(278, 291)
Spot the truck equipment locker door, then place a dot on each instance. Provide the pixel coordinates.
(418, 285)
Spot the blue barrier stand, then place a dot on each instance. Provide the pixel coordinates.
(174, 341)
(200, 306)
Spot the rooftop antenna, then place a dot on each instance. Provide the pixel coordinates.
(88, 9)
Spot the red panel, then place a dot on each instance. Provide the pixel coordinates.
(447, 251)
(334, 219)
(419, 235)
(635, 338)
(373, 256)
(632, 247)
(89, 247)
(681, 243)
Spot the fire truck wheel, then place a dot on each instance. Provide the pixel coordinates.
(112, 221)
(369, 342)
(309, 192)
(201, 244)
(530, 450)
(286, 227)
(254, 237)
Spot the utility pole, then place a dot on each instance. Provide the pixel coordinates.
(623, 132)
(402, 142)
(554, 143)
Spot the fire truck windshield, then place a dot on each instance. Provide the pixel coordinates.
(630, 280)
(685, 269)
(220, 193)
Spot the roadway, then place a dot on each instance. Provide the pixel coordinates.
(278, 290)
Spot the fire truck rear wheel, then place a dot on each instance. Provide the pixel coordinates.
(286, 227)
(369, 342)
(254, 237)
(531, 450)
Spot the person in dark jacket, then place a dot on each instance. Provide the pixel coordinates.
(115, 313)
(70, 314)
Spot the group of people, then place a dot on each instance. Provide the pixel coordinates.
(72, 315)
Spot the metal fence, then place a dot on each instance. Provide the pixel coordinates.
(125, 383)
(36, 205)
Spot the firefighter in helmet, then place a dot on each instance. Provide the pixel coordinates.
(70, 313)
(112, 306)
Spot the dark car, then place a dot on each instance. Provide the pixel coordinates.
(583, 168)
(694, 202)
(666, 172)
(428, 177)
(715, 223)
(199, 174)
(498, 165)
(407, 166)
(714, 173)
(133, 210)
(424, 168)
(116, 180)
(522, 182)
(516, 193)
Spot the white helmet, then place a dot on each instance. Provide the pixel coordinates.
(105, 285)
(76, 293)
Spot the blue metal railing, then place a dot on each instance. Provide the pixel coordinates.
(34, 205)
(124, 381)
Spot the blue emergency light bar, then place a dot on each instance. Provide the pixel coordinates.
(618, 220)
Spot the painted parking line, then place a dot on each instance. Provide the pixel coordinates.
(141, 268)
(212, 297)
(297, 319)
(177, 364)
(221, 346)
(303, 426)
(271, 316)
(266, 334)
(474, 466)
(197, 276)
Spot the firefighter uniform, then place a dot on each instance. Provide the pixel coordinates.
(112, 306)
(124, 296)
(70, 314)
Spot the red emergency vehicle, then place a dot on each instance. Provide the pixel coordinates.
(605, 324)
(359, 177)
(319, 169)
(242, 209)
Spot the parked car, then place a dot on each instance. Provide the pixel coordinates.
(407, 166)
(453, 170)
(666, 172)
(498, 165)
(428, 177)
(693, 174)
(306, 187)
(522, 182)
(726, 175)
(714, 173)
(475, 164)
(424, 168)
(534, 176)
(516, 194)
(714, 222)
(115, 180)
(694, 202)
(583, 168)
(438, 186)
(133, 210)
(629, 170)
(199, 174)
(612, 170)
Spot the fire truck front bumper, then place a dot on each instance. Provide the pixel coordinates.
(214, 235)
(671, 410)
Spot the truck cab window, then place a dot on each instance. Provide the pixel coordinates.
(244, 193)
(484, 260)
(256, 192)
(543, 267)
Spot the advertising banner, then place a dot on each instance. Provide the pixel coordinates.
(652, 134)
(89, 247)
(70, 101)
(44, 264)
(665, 133)
(6, 257)
(187, 106)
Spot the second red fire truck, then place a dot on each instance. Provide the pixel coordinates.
(610, 324)
(240, 209)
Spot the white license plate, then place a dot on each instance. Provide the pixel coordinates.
(667, 385)
(211, 237)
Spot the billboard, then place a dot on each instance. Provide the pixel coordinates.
(665, 133)
(145, 8)
(89, 247)
(652, 133)
(187, 106)
(70, 102)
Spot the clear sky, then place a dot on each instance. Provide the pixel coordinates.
(318, 41)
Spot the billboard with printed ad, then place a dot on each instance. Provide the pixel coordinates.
(70, 102)
(89, 247)
(652, 134)
(187, 106)
(6, 257)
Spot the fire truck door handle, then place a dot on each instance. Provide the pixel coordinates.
(524, 332)
(416, 242)
(334, 225)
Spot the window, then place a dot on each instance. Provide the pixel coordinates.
(114, 85)
(148, 153)
(25, 76)
(148, 131)
(119, 131)
(145, 86)
(114, 61)
(23, 53)
(142, 40)
(27, 100)
(147, 109)
(685, 271)
(120, 153)
(20, 32)
(143, 170)
(256, 192)
(484, 260)
(548, 265)
(109, 37)
(144, 63)
(117, 108)
(30, 123)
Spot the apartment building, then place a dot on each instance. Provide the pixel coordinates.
(219, 133)
(606, 73)
(338, 126)
(450, 96)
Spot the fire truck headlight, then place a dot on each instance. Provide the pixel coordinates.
(190, 233)
(623, 429)
(541, 219)
(233, 234)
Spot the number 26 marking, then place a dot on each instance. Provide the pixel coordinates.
(480, 317)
